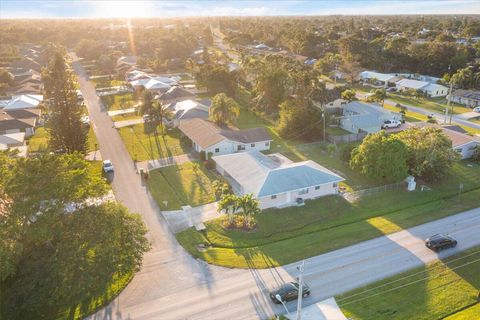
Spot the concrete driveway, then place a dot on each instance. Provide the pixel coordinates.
(468, 115)
(180, 220)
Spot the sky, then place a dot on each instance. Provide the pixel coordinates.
(164, 8)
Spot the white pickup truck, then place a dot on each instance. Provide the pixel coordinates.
(391, 124)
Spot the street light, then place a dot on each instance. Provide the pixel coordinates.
(279, 298)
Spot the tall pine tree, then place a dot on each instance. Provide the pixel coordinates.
(67, 133)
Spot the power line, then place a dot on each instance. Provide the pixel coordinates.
(408, 284)
(409, 276)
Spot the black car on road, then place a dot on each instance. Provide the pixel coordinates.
(288, 292)
(439, 242)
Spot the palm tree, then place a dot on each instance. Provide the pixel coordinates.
(250, 206)
(147, 103)
(224, 109)
(229, 204)
(158, 114)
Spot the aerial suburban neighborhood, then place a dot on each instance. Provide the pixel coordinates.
(315, 160)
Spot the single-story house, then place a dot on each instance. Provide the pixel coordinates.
(26, 64)
(11, 140)
(156, 84)
(462, 143)
(430, 89)
(175, 94)
(208, 137)
(383, 79)
(365, 117)
(275, 180)
(22, 120)
(466, 97)
(187, 109)
(24, 101)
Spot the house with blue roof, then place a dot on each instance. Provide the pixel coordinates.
(275, 180)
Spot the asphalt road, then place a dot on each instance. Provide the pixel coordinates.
(173, 285)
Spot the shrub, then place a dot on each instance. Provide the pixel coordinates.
(203, 155)
(346, 152)
(476, 155)
(209, 164)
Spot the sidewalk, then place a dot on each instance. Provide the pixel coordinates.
(165, 162)
(179, 220)
(127, 123)
(122, 111)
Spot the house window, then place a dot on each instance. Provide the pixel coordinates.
(317, 188)
(267, 143)
(252, 145)
(303, 191)
(459, 150)
(240, 147)
(273, 197)
(217, 150)
(335, 185)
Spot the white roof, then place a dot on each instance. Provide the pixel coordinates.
(24, 101)
(412, 84)
(435, 87)
(11, 139)
(154, 83)
(377, 75)
(264, 176)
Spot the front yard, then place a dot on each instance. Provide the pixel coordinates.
(39, 141)
(119, 101)
(181, 185)
(434, 104)
(143, 145)
(435, 291)
(291, 234)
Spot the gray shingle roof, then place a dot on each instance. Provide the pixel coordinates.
(261, 175)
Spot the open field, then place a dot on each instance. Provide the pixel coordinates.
(435, 291)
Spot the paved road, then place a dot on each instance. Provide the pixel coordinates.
(440, 117)
(173, 285)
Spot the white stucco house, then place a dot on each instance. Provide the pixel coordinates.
(430, 89)
(383, 79)
(275, 180)
(187, 109)
(24, 101)
(365, 117)
(208, 137)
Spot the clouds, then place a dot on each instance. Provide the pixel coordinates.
(154, 8)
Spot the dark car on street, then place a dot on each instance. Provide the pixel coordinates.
(439, 242)
(288, 292)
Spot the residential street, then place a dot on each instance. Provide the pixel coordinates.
(438, 116)
(173, 285)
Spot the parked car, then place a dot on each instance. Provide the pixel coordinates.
(391, 124)
(107, 166)
(288, 292)
(391, 89)
(476, 109)
(439, 242)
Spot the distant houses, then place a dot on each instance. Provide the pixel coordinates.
(430, 89)
(275, 180)
(211, 139)
(466, 97)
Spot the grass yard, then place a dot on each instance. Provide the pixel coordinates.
(181, 185)
(143, 146)
(433, 104)
(336, 131)
(469, 313)
(435, 291)
(118, 101)
(290, 234)
(107, 83)
(39, 141)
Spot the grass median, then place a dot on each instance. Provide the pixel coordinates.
(446, 288)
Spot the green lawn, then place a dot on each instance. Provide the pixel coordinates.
(431, 292)
(126, 116)
(470, 313)
(38, 142)
(290, 234)
(181, 185)
(118, 101)
(336, 131)
(433, 104)
(144, 146)
(107, 83)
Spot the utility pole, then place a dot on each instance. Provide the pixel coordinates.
(448, 103)
(449, 95)
(324, 116)
(300, 290)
